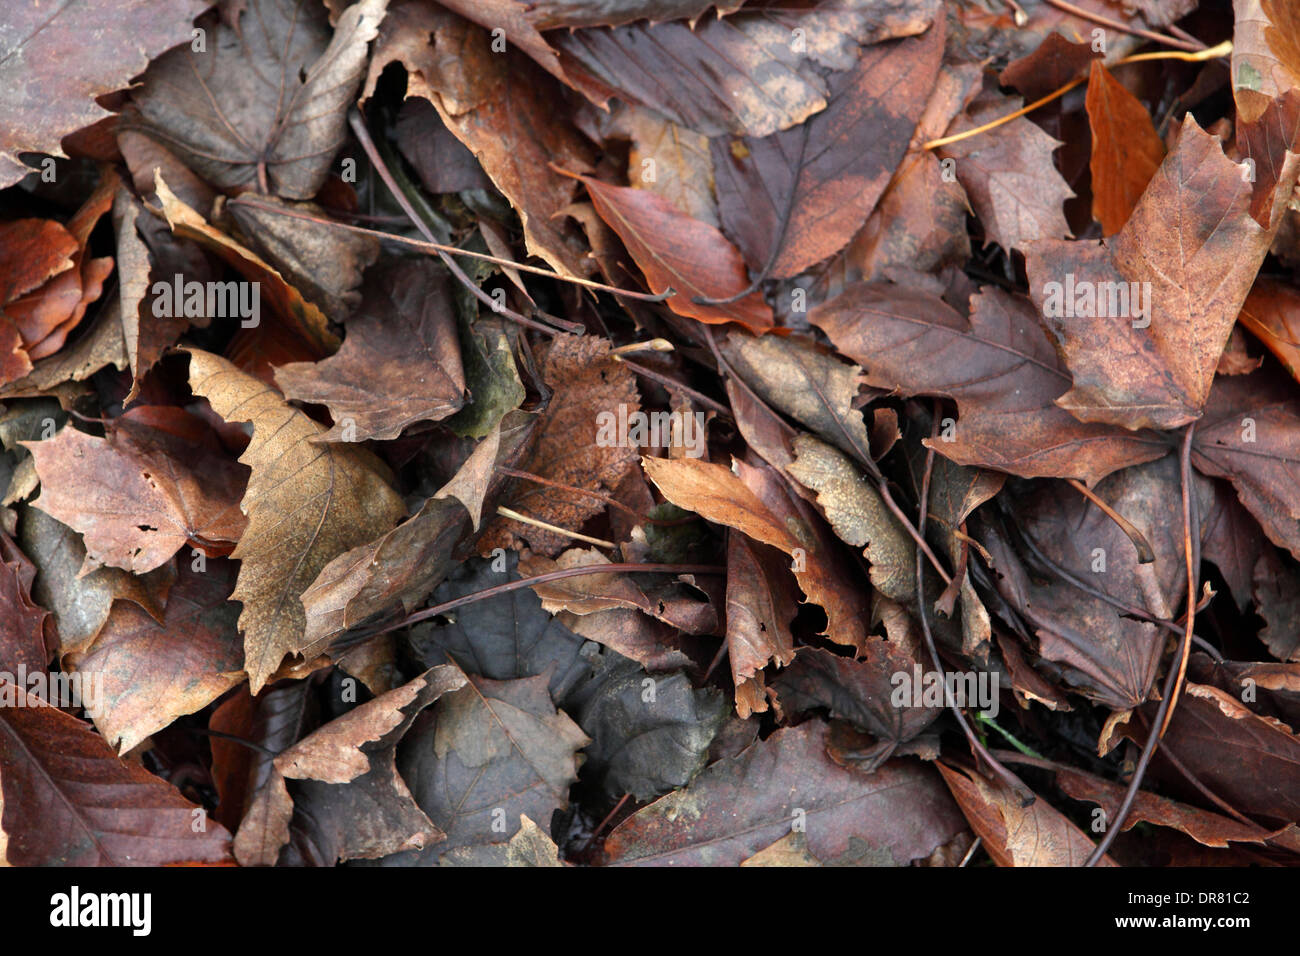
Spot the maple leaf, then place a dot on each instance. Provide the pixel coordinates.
(45, 50)
(1151, 364)
(399, 364)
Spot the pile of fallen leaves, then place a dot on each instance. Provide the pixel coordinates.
(676, 432)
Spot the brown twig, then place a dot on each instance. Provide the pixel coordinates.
(1025, 795)
(1172, 681)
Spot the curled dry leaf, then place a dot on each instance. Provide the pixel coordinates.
(591, 389)
(357, 805)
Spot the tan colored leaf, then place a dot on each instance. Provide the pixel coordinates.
(306, 503)
(760, 608)
(1013, 835)
(859, 516)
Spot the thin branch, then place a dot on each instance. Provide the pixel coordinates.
(1025, 795)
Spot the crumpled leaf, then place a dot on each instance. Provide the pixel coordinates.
(402, 567)
(816, 389)
(1110, 658)
(324, 263)
(306, 503)
(1250, 434)
(264, 102)
(301, 317)
(1009, 175)
(81, 604)
(744, 803)
(502, 108)
(862, 691)
(22, 621)
(399, 364)
(158, 482)
(348, 789)
(760, 608)
(858, 514)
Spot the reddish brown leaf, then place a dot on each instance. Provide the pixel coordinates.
(399, 364)
(1126, 150)
(1013, 835)
(676, 252)
(1000, 368)
(1194, 250)
(158, 482)
(69, 800)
